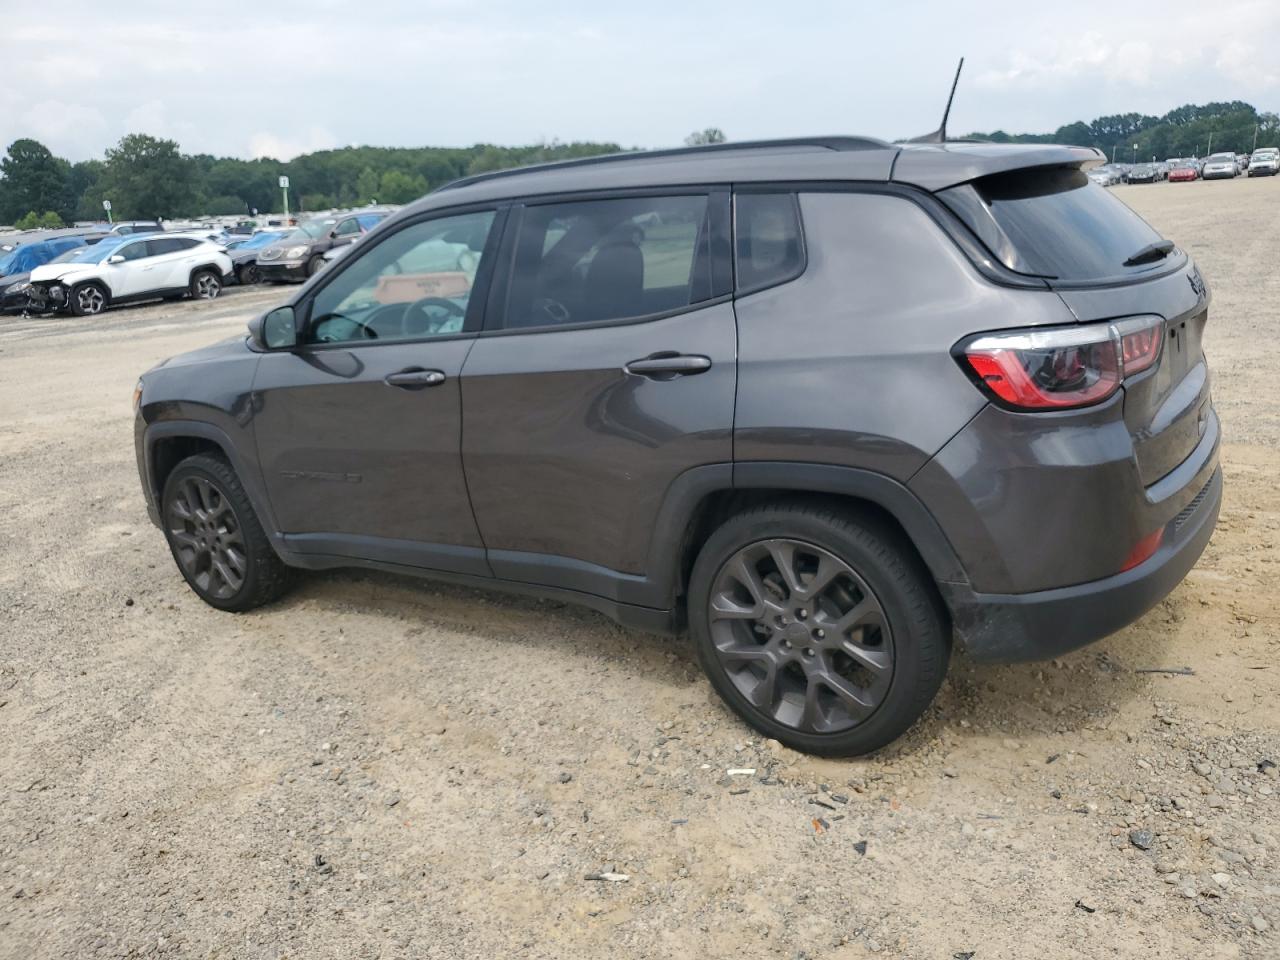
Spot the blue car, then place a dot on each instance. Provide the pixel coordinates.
(17, 264)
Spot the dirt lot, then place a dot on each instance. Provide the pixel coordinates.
(323, 778)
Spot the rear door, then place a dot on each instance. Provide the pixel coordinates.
(359, 428)
(606, 370)
(173, 258)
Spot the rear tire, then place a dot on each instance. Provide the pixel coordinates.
(205, 285)
(821, 629)
(216, 538)
(88, 299)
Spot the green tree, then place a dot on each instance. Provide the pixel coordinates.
(399, 187)
(31, 178)
(367, 185)
(147, 177)
(702, 137)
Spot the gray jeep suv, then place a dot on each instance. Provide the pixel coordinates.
(831, 404)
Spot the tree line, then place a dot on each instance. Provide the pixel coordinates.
(1190, 130)
(145, 177)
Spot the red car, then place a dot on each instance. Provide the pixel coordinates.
(1183, 172)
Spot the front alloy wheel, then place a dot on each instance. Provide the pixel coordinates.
(206, 537)
(216, 538)
(90, 300)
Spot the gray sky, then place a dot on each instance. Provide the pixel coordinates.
(281, 78)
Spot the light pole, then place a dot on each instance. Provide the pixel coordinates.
(284, 187)
(1113, 153)
(1210, 150)
(106, 205)
(1255, 138)
(1135, 153)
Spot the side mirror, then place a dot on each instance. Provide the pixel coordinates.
(274, 330)
(115, 258)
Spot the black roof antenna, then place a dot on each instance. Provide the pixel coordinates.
(940, 135)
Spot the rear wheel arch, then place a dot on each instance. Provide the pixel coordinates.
(702, 499)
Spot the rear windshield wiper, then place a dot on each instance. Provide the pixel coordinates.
(1150, 253)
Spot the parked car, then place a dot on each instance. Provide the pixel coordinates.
(1265, 162)
(957, 392)
(1162, 169)
(244, 254)
(127, 228)
(127, 269)
(17, 264)
(1143, 173)
(1105, 175)
(1181, 171)
(301, 254)
(1220, 166)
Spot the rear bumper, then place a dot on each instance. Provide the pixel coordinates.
(1038, 626)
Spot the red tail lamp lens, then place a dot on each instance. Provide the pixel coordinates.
(1063, 367)
(1143, 550)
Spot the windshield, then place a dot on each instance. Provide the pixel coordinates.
(94, 253)
(313, 229)
(1052, 222)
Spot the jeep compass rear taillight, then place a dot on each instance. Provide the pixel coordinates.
(1061, 367)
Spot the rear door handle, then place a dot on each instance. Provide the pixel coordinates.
(415, 379)
(665, 366)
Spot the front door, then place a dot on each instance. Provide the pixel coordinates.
(134, 275)
(359, 427)
(606, 370)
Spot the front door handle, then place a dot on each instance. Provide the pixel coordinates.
(415, 379)
(665, 366)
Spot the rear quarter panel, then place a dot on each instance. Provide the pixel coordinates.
(850, 364)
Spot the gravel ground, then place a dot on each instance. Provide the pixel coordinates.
(325, 778)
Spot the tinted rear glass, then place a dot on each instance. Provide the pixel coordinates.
(1053, 223)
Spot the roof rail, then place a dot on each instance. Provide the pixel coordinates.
(824, 143)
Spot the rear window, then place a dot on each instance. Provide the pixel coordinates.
(1052, 223)
(769, 246)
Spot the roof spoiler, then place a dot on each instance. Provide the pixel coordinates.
(940, 135)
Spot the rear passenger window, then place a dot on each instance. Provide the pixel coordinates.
(603, 260)
(769, 245)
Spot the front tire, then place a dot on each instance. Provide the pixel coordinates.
(205, 285)
(315, 265)
(248, 275)
(216, 538)
(88, 299)
(819, 628)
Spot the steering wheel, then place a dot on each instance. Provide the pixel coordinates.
(365, 330)
(434, 324)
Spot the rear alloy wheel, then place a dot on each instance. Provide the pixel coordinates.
(205, 285)
(819, 629)
(216, 539)
(88, 299)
